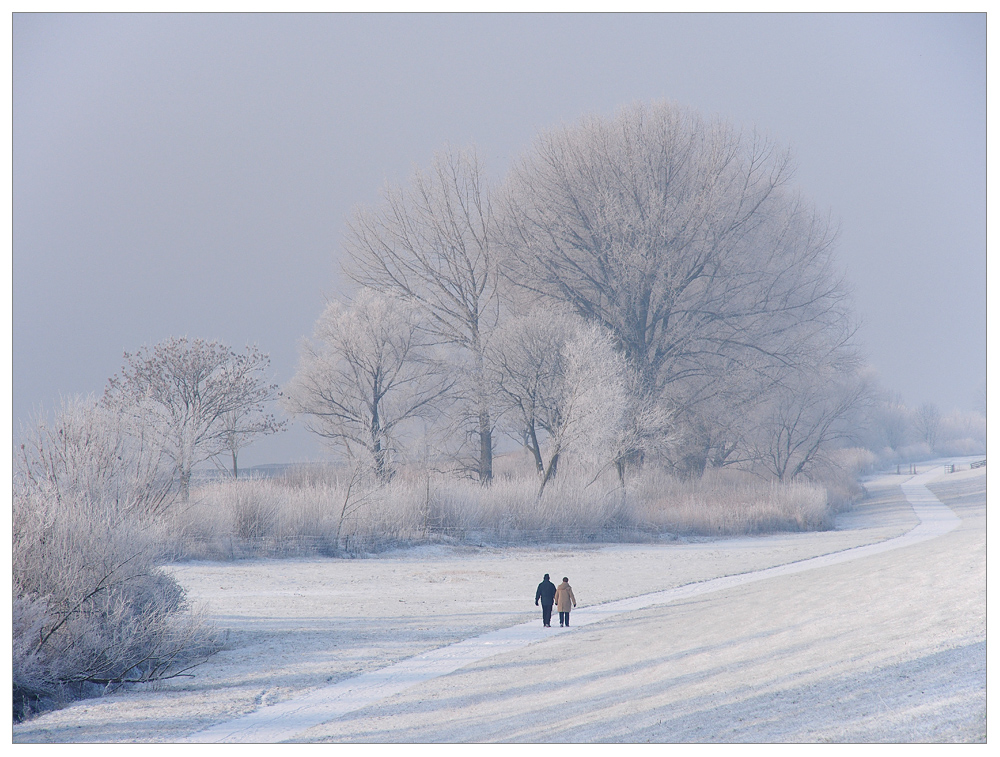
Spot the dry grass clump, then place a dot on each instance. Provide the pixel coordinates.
(278, 517)
(510, 510)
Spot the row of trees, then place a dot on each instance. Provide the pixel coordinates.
(646, 285)
(899, 433)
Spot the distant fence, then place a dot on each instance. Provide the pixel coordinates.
(972, 466)
(910, 469)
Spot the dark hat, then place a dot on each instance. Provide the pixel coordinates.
(546, 577)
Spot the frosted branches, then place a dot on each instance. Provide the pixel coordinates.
(365, 374)
(198, 398)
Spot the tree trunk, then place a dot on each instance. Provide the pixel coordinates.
(379, 455)
(485, 450)
(550, 472)
(185, 480)
(620, 468)
(536, 451)
(485, 425)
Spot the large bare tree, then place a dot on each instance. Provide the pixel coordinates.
(365, 374)
(432, 241)
(681, 237)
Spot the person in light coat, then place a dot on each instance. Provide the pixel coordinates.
(565, 601)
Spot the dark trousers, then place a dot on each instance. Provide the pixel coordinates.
(546, 614)
(564, 618)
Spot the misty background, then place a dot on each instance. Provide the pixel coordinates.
(191, 174)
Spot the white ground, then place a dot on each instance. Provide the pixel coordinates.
(887, 647)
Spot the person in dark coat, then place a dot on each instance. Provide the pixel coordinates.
(546, 592)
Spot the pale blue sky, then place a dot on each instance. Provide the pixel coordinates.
(191, 174)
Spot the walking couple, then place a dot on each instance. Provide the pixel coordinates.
(561, 595)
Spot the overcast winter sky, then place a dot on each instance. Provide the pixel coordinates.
(191, 174)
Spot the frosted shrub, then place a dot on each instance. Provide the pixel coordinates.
(306, 511)
(230, 519)
(251, 509)
(95, 454)
(840, 477)
(390, 514)
(227, 519)
(960, 434)
(91, 609)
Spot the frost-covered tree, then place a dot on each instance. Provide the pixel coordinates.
(962, 432)
(241, 427)
(808, 415)
(681, 237)
(565, 387)
(647, 428)
(927, 422)
(195, 397)
(717, 415)
(432, 241)
(528, 369)
(891, 422)
(367, 371)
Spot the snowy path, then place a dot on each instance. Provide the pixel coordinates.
(286, 720)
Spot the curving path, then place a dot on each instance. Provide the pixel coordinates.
(286, 720)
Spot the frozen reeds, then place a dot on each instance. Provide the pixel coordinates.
(336, 515)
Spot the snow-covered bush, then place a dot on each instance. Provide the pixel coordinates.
(91, 609)
(729, 502)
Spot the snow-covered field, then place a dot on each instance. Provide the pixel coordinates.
(886, 647)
